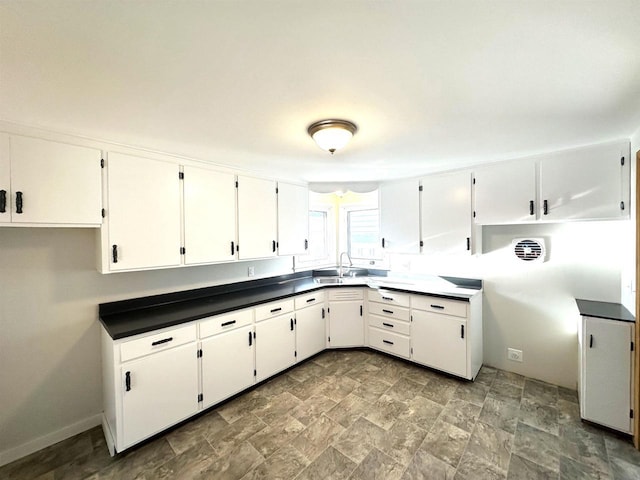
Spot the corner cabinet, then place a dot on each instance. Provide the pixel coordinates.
(293, 219)
(45, 183)
(400, 216)
(257, 218)
(346, 317)
(143, 219)
(606, 366)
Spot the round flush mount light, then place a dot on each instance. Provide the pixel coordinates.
(333, 134)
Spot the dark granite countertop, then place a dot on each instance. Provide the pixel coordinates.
(134, 316)
(612, 311)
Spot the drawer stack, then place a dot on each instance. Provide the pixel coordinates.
(389, 322)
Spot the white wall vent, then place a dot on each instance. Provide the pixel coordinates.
(529, 249)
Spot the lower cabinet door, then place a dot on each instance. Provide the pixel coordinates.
(158, 391)
(227, 364)
(275, 345)
(310, 331)
(346, 324)
(440, 341)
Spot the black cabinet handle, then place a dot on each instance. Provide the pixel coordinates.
(18, 202)
(3, 201)
(160, 342)
(250, 340)
(274, 310)
(306, 244)
(439, 307)
(226, 324)
(360, 310)
(390, 312)
(461, 331)
(233, 248)
(127, 381)
(388, 342)
(468, 243)
(531, 205)
(590, 341)
(388, 299)
(382, 242)
(114, 253)
(545, 207)
(387, 325)
(322, 312)
(273, 243)
(311, 300)
(292, 324)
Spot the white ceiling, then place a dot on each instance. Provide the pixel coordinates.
(432, 85)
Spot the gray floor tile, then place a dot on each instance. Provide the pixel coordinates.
(349, 410)
(538, 446)
(461, 413)
(312, 408)
(233, 466)
(377, 466)
(357, 441)
(572, 470)
(284, 464)
(317, 437)
(491, 444)
(521, 468)
(446, 442)
(541, 416)
(385, 411)
(330, 465)
(425, 466)
(268, 440)
(402, 441)
(500, 414)
(422, 412)
(476, 468)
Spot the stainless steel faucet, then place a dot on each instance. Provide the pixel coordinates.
(340, 270)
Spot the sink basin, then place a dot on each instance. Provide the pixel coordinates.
(335, 272)
(336, 280)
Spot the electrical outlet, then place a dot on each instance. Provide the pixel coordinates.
(251, 271)
(515, 355)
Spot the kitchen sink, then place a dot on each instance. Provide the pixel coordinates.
(337, 280)
(335, 272)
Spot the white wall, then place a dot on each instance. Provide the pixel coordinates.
(628, 275)
(529, 306)
(50, 370)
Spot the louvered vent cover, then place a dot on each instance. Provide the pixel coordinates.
(529, 249)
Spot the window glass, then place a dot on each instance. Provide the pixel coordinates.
(363, 228)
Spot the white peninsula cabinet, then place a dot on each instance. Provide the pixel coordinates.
(446, 213)
(275, 338)
(346, 317)
(257, 218)
(293, 219)
(44, 183)
(400, 216)
(447, 334)
(150, 382)
(143, 222)
(209, 216)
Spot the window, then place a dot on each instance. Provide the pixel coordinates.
(320, 251)
(363, 232)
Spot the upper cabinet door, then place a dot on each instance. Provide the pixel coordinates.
(143, 213)
(505, 193)
(293, 219)
(5, 180)
(446, 213)
(54, 182)
(585, 183)
(209, 216)
(400, 216)
(257, 218)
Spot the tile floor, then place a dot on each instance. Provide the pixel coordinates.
(357, 414)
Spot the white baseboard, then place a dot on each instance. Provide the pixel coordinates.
(39, 443)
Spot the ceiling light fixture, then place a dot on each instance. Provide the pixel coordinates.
(332, 135)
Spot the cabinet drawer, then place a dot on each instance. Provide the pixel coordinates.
(389, 342)
(389, 311)
(157, 342)
(346, 294)
(389, 324)
(273, 309)
(302, 301)
(440, 305)
(222, 323)
(389, 297)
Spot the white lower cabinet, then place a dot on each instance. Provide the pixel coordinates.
(310, 324)
(606, 358)
(389, 326)
(346, 317)
(447, 334)
(275, 345)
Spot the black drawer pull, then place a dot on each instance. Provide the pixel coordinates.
(531, 205)
(3, 201)
(311, 300)
(274, 310)
(226, 324)
(18, 202)
(545, 207)
(127, 381)
(322, 312)
(160, 342)
(590, 341)
(383, 242)
(461, 331)
(388, 299)
(468, 243)
(274, 245)
(439, 307)
(390, 312)
(306, 244)
(233, 248)
(292, 324)
(250, 340)
(387, 325)
(114, 253)
(388, 342)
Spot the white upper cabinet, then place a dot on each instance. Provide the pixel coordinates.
(585, 183)
(143, 214)
(446, 213)
(400, 216)
(209, 216)
(257, 218)
(44, 182)
(505, 193)
(293, 219)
